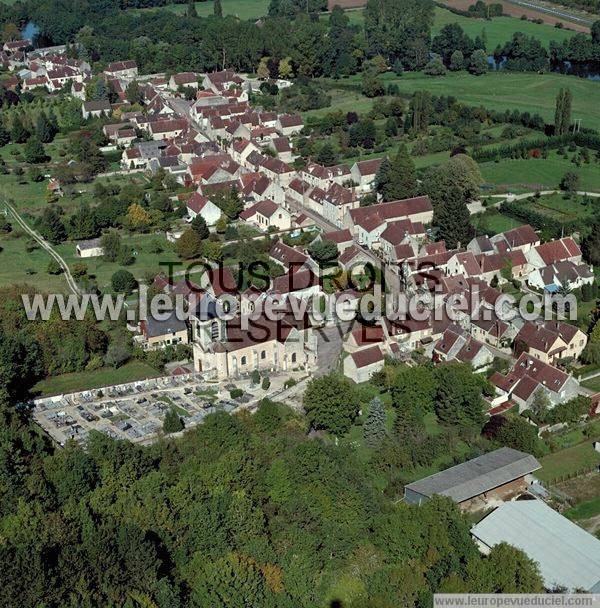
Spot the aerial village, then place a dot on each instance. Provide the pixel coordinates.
(215, 140)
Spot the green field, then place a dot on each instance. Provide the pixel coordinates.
(532, 174)
(243, 9)
(80, 381)
(496, 31)
(492, 222)
(568, 462)
(535, 93)
(499, 29)
(585, 510)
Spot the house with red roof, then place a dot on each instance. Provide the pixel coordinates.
(267, 215)
(323, 177)
(550, 341)
(367, 223)
(289, 124)
(122, 69)
(549, 253)
(342, 238)
(458, 345)
(523, 238)
(363, 173)
(289, 257)
(561, 274)
(529, 375)
(362, 364)
(514, 262)
(201, 205)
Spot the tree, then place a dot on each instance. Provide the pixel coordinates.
(285, 68)
(326, 155)
(452, 39)
(570, 182)
(45, 129)
(396, 179)
(137, 216)
(457, 61)
(562, 112)
(18, 133)
(323, 252)
(459, 395)
(371, 85)
(54, 267)
(374, 427)
(199, 226)
(191, 11)
(4, 136)
(505, 570)
(134, 93)
(189, 245)
(590, 245)
(479, 62)
(459, 179)
(111, 244)
(596, 31)
(118, 353)
(262, 71)
(122, 281)
(435, 67)
(50, 226)
(331, 403)
(453, 221)
(173, 422)
(34, 151)
(218, 9)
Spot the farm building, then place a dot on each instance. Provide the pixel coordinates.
(567, 555)
(495, 476)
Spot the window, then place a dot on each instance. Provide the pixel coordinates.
(243, 360)
(214, 330)
(263, 354)
(293, 357)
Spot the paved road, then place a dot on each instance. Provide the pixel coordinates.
(556, 12)
(45, 245)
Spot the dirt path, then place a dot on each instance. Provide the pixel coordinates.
(45, 245)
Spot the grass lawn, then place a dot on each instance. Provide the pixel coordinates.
(243, 9)
(593, 384)
(499, 29)
(535, 93)
(539, 173)
(492, 222)
(106, 376)
(585, 510)
(568, 462)
(144, 260)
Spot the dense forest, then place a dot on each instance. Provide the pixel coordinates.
(242, 511)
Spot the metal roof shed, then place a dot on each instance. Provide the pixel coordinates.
(567, 555)
(474, 477)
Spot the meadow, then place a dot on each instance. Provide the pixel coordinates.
(528, 175)
(494, 31)
(243, 9)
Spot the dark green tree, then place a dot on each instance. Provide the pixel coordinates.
(18, 133)
(45, 129)
(397, 178)
(562, 112)
(459, 398)
(218, 8)
(192, 13)
(33, 151)
(331, 403)
(50, 226)
(172, 422)
(199, 226)
(374, 427)
(122, 281)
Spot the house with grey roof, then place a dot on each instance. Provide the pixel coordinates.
(495, 476)
(167, 330)
(567, 556)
